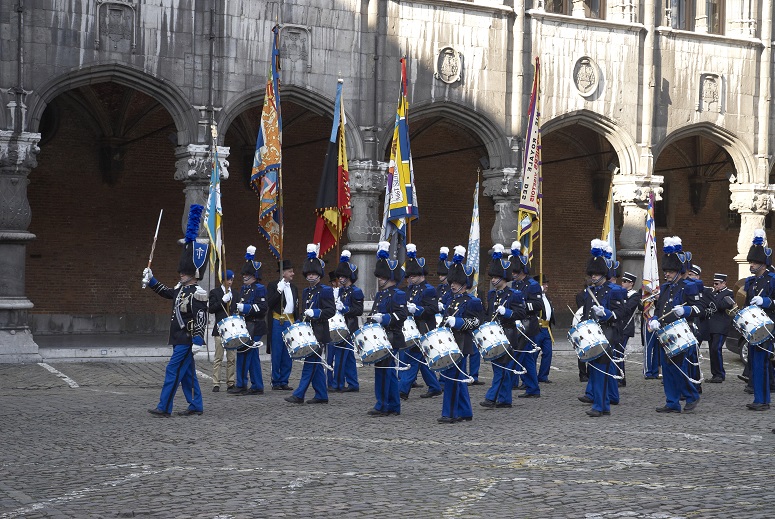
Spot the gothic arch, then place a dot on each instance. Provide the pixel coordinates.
(741, 156)
(307, 98)
(166, 93)
(493, 138)
(622, 142)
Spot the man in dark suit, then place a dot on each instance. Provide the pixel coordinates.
(283, 299)
(218, 304)
(722, 299)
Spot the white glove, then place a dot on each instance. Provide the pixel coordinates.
(411, 307)
(678, 311)
(757, 300)
(501, 310)
(309, 312)
(450, 321)
(339, 305)
(599, 310)
(653, 325)
(243, 308)
(226, 297)
(377, 318)
(147, 275)
(281, 286)
(195, 349)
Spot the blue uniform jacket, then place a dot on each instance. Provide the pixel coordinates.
(424, 296)
(534, 304)
(469, 314)
(391, 303)
(352, 299)
(319, 299)
(255, 297)
(611, 297)
(189, 311)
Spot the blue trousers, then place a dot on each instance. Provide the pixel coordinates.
(472, 362)
(500, 390)
(760, 371)
(386, 387)
(611, 386)
(312, 373)
(345, 371)
(414, 357)
(281, 359)
(691, 366)
(544, 341)
(249, 365)
(674, 382)
(652, 355)
(456, 402)
(598, 384)
(181, 370)
(716, 347)
(530, 378)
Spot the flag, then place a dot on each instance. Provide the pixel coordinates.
(530, 193)
(650, 266)
(473, 241)
(266, 178)
(214, 214)
(609, 233)
(333, 207)
(400, 195)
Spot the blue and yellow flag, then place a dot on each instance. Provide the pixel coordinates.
(214, 214)
(266, 178)
(401, 197)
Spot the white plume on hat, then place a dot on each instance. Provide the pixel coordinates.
(251, 250)
(598, 244)
(311, 247)
(669, 241)
(383, 245)
(411, 247)
(516, 245)
(444, 250)
(460, 250)
(346, 254)
(498, 248)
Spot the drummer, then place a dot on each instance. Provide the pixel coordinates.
(333, 281)
(505, 306)
(389, 311)
(677, 299)
(463, 314)
(319, 307)
(422, 305)
(599, 300)
(350, 305)
(760, 291)
(534, 305)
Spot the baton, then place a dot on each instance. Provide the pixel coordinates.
(153, 247)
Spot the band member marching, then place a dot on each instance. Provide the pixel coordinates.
(719, 321)
(350, 305)
(389, 311)
(251, 304)
(319, 307)
(422, 305)
(534, 305)
(463, 314)
(545, 340)
(760, 291)
(188, 322)
(283, 300)
(677, 299)
(507, 307)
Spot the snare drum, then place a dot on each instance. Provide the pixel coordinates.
(440, 349)
(676, 337)
(338, 328)
(588, 340)
(300, 340)
(491, 340)
(412, 335)
(234, 333)
(371, 343)
(753, 324)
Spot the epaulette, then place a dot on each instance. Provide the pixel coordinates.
(200, 294)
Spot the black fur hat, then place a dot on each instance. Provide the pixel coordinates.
(758, 252)
(457, 271)
(313, 264)
(597, 265)
(345, 269)
(673, 257)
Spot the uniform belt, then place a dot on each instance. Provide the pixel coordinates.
(545, 324)
(282, 317)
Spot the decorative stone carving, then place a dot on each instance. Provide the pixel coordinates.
(633, 192)
(586, 76)
(17, 108)
(18, 155)
(116, 25)
(448, 66)
(710, 93)
(295, 46)
(502, 185)
(193, 168)
(637, 188)
(753, 202)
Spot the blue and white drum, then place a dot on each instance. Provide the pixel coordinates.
(676, 337)
(300, 340)
(412, 335)
(234, 333)
(491, 340)
(337, 326)
(440, 349)
(588, 340)
(371, 343)
(753, 324)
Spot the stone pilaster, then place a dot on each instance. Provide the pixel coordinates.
(753, 202)
(367, 184)
(18, 155)
(501, 184)
(632, 192)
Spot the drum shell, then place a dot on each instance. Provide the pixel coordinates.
(589, 340)
(300, 340)
(676, 338)
(440, 349)
(234, 333)
(371, 344)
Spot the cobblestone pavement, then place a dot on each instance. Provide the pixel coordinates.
(84, 446)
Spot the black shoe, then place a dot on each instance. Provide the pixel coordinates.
(715, 380)
(502, 405)
(691, 405)
(594, 413)
(649, 377)
(229, 388)
(237, 390)
(476, 383)
(416, 385)
(294, 399)
(158, 412)
(189, 412)
(606, 413)
(464, 419)
(583, 378)
(521, 387)
(757, 407)
(614, 403)
(393, 413)
(255, 392)
(525, 395)
(430, 394)
(585, 399)
(622, 383)
(446, 419)
(283, 387)
(376, 413)
(216, 389)
(487, 403)
(403, 396)
(748, 390)
(545, 381)
(666, 409)
(350, 389)
(743, 378)
(316, 401)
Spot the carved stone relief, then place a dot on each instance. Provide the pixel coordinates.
(295, 47)
(710, 94)
(586, 76)
(448, 66)
(116, 25)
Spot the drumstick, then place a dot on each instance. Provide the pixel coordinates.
(593, 297)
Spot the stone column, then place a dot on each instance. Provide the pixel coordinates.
(753, 202)
(632, 192)
(501, 184)
(193, 167)
(18, 155)
(367, 184)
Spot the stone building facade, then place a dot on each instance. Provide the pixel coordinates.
(106, 107)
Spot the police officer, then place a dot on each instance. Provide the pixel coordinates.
(187, 324)
(218, 304)
(350, 305)
(283, 300)
(721, 300)
(534, 306)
